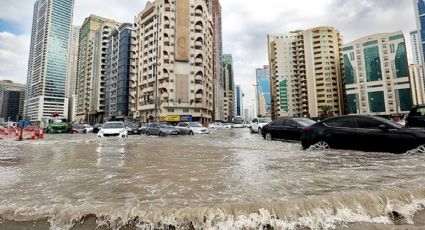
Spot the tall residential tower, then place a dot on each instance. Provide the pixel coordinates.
(47, 64)
(175, 61)
(229, 87)
(71, 73)
(306, 73)
(94, 38)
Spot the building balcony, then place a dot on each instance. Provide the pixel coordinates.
(147, 107)
(147, 90)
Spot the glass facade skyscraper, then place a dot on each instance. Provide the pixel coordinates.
(263, 91)
(48, 59)
(420, 23)
(239, 97)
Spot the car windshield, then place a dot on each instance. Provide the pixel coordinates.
(305, 122)
(57, 121)
(166, 126)
(113, 126)
(264, 120)
(195, 125)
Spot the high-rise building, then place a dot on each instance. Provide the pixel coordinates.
(263, 96)
(120, 68)
(9, 86)
(239, 100)
(71, 89)
(417, 84)
(229, 87)
(377, 75)
(175, 61)
(416, 47)
(419, 6)
(306, 73)
(94, 38)
(218, 53)
(10, 108)
(48, 60)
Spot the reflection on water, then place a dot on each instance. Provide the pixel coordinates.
(66, 177)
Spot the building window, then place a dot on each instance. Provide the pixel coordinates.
(377, 102)
(401, 64)
(373, 64)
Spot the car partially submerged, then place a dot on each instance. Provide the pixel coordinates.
(161, 129)
(192, 128)
(364, 133)
(113, 129)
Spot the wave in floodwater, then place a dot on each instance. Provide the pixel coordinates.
(317, 212)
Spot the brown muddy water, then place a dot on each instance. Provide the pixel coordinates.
(225, 180)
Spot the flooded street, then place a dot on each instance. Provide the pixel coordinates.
(226, 180)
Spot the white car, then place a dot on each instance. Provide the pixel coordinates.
(191, 128)
(217, 126)
(258, 123)
(113, 129)
(89, 129)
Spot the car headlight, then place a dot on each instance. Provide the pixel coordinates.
(123, 130)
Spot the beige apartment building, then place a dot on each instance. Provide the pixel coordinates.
(93, 45)
(306, 73)
(417, 84)
(174, 62)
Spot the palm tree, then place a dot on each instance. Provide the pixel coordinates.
(327, 111)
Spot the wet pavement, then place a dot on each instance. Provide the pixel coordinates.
(213, 181)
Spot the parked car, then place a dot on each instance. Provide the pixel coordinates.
(161, 130)
(217, 126)
(191, 128)
(143, 127)
(416, 117)
(96, 127)
(132, 128)
(78, 128)
(365, 133)
(89, 128)
(258, 123)
(286, 128)
(113, 129)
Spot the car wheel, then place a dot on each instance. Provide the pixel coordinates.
(161, 134)
(268, 137)
(250, 129)
(321, 145)
(148, 134)
(191, 133)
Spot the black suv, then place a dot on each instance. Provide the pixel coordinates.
(416, 117)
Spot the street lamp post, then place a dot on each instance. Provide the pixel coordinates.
(156, 90)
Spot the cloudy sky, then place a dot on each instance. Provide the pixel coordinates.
(245, 26)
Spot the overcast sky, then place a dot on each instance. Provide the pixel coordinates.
(245, 27)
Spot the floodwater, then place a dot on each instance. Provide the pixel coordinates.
(225, 180)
